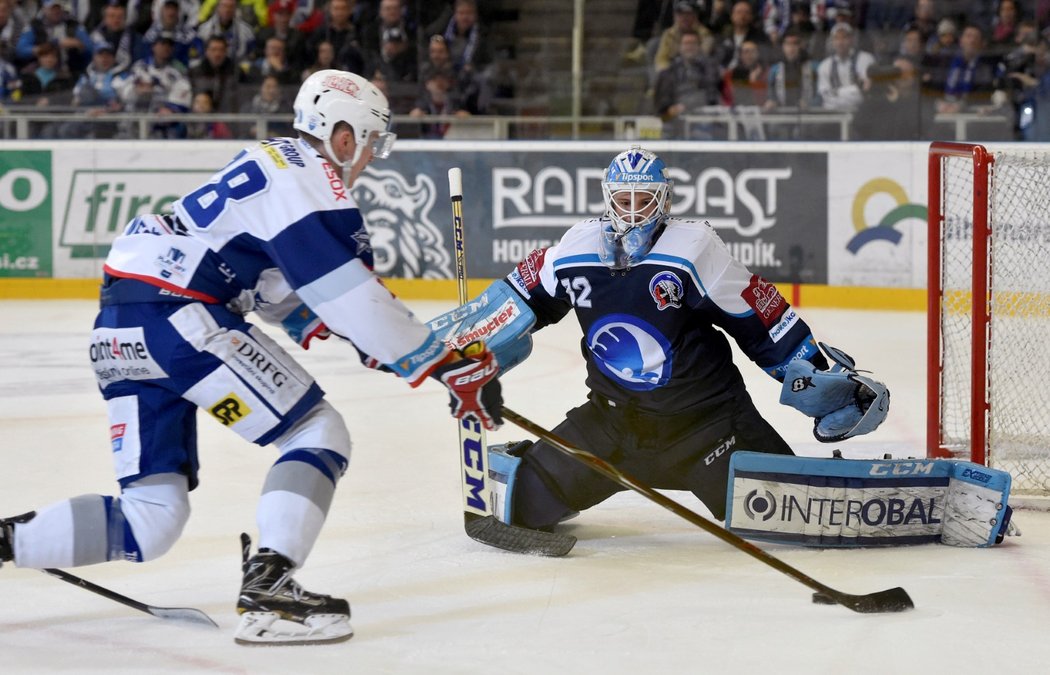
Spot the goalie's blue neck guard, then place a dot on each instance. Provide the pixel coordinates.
(619, 251)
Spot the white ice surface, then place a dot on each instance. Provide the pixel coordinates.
(643, 591)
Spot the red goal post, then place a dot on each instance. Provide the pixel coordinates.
(988, 319)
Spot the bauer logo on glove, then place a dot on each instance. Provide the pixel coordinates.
(842, 402)
(473, 386)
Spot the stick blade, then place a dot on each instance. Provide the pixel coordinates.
(890, 600)
(184, 614)
(489, 530)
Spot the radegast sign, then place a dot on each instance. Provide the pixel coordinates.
(770, 208)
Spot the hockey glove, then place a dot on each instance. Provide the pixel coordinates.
(499, 316)
(473, 385)
(842, 402)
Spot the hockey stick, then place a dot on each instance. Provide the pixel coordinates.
(891, 600)
(171, 613)
(478, 520)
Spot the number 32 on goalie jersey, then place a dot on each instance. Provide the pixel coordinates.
(579, 291)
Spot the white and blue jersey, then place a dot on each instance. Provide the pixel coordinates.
(653, 333)
(278, 213)
(275, 232)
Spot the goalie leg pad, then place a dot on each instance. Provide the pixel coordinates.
(504, 462)
(976, 512)
(835, 502)
(498, 317)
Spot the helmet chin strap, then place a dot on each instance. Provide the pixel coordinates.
(348, 164)
(331, 155)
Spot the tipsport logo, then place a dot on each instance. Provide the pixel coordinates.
(404, 240)
(886, 228)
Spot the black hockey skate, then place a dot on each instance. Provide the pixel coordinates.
(7, 535)
(276, 610)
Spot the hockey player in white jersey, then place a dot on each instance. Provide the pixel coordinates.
(276, 232)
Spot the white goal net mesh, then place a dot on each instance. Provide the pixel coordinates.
(1018, 361)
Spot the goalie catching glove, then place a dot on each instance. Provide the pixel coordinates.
(842, 402)
(473, 385)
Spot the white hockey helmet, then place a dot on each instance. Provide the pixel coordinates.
(331, 96)
(637, 171)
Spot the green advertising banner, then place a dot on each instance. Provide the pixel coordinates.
(25, 213)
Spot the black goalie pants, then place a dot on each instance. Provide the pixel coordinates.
(688, 451)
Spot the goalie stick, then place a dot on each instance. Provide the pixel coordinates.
(891, 600)
(187, 614)
(478, 520)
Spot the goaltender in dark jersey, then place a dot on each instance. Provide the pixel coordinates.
(651, 332)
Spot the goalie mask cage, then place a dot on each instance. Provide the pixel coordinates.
(989, 311)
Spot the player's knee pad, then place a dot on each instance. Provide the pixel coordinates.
(321, 427)
(148, 518)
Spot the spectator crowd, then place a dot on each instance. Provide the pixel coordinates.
(170, 57)
(900, 69)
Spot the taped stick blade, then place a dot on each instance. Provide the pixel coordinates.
(890, 600)
(489, 530)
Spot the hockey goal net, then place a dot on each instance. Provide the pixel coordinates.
(988, 373)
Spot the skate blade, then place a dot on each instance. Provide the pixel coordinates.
(268, 628)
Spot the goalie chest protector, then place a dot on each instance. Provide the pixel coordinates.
(850, 502)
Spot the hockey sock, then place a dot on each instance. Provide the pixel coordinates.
(83, 530)
(295, 500)
(90, 529)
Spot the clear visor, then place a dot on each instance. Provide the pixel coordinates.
(381, 143)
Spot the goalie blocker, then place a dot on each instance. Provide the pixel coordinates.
(849, 502)
(497, 317)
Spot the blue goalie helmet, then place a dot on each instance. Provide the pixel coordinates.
(637, 190)
(637, 200)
